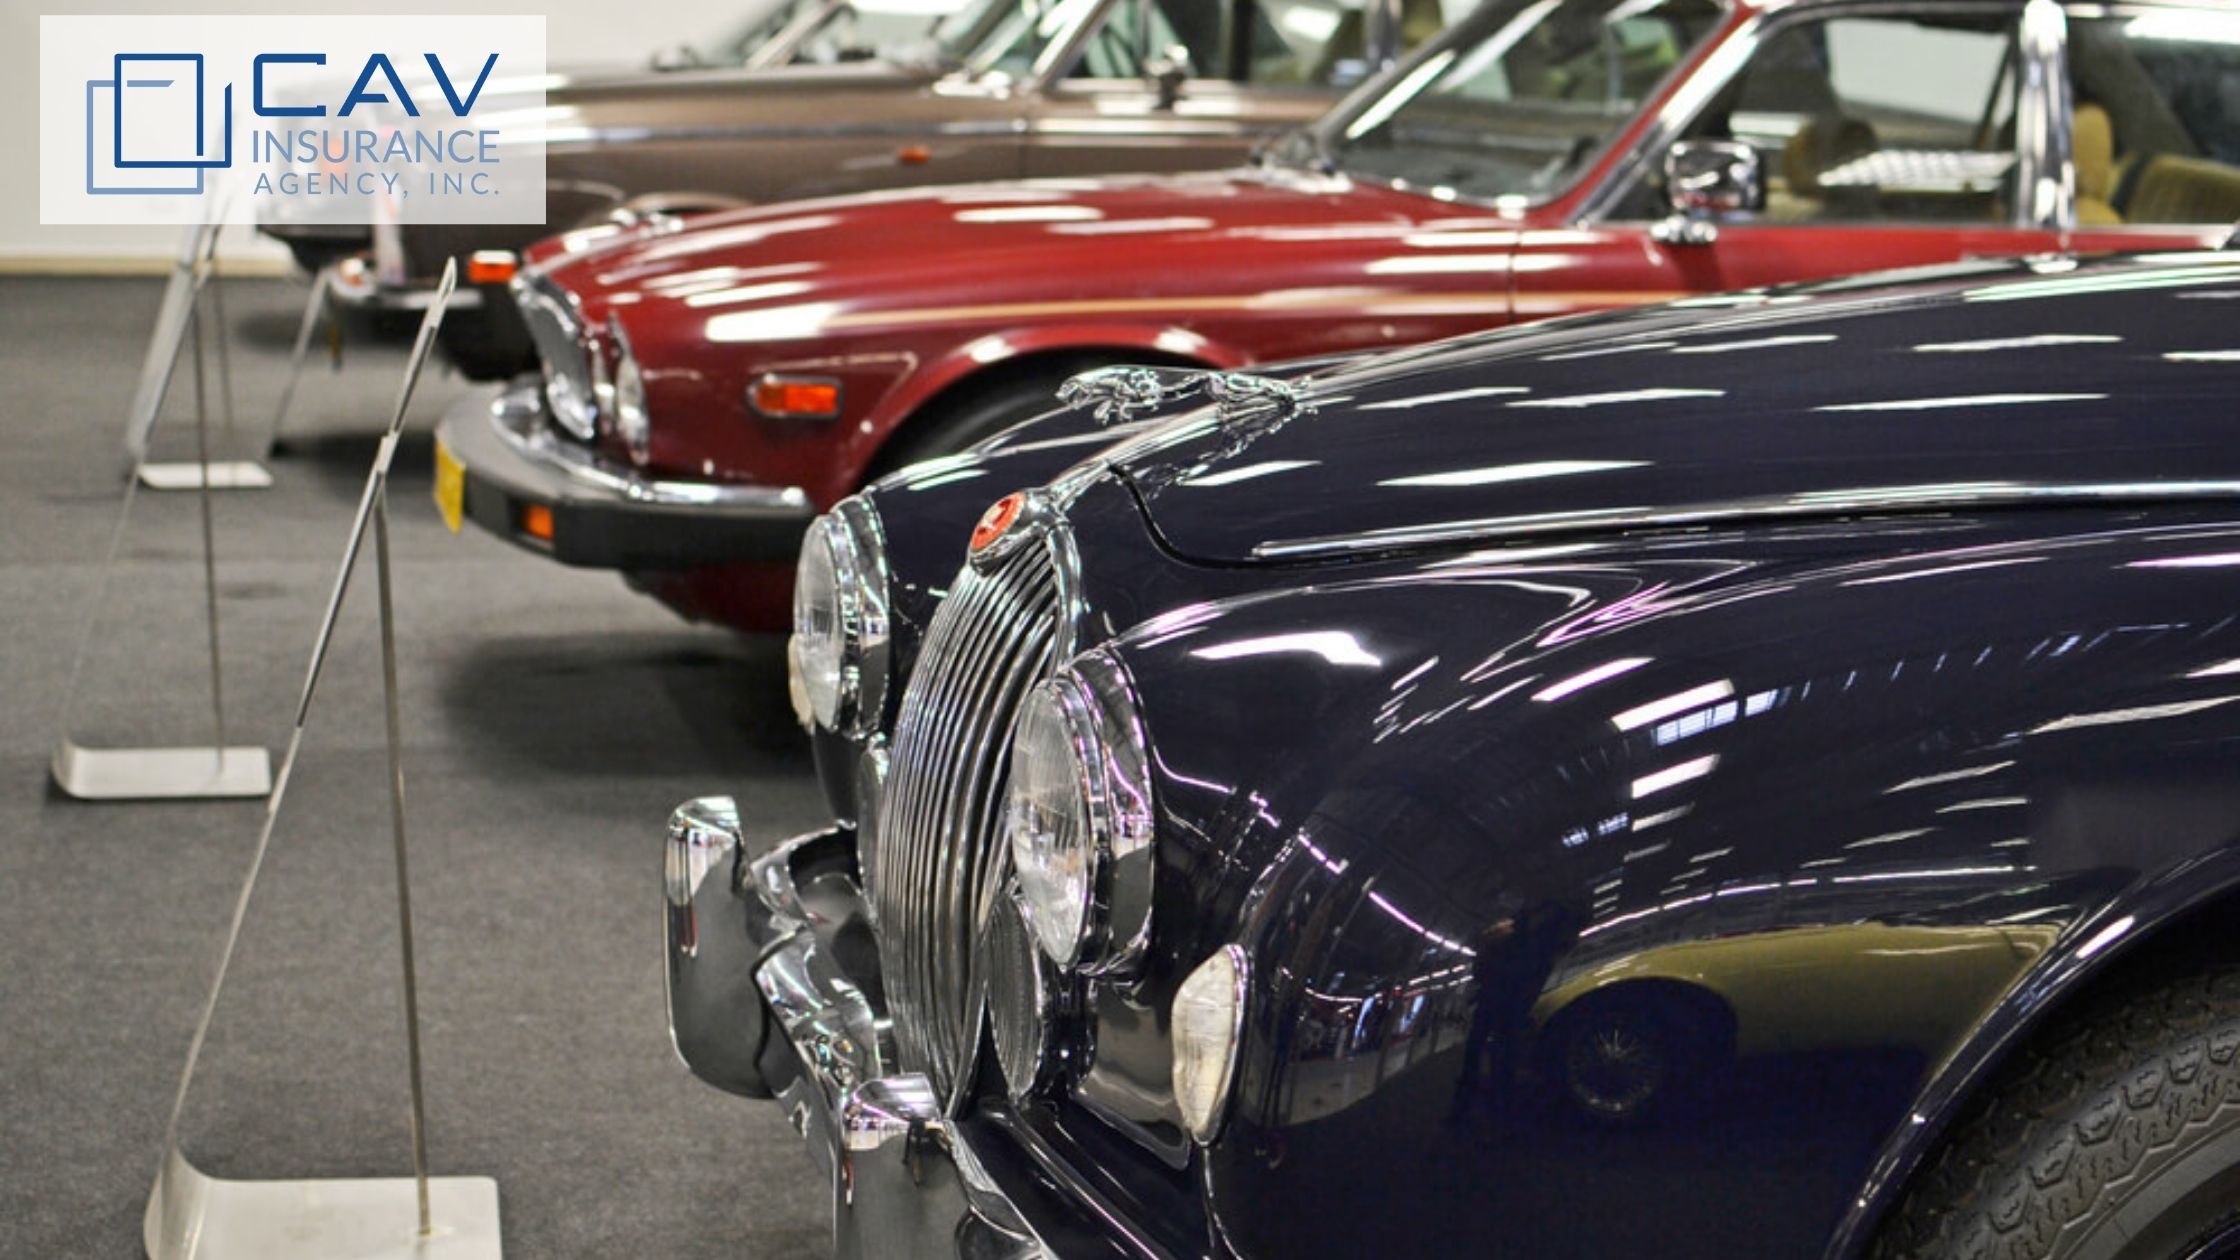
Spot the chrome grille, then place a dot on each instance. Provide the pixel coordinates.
(1020, 996)
(938, 861)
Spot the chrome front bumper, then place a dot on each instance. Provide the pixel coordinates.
(905, 1181)
(604, 514)
(357, 287)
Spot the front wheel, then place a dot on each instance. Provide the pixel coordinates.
(2118, 1138)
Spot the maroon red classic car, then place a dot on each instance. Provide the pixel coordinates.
(706, 391)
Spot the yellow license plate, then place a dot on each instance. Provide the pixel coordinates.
(451, 489)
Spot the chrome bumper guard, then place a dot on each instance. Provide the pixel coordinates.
(605, 514)
(904, 1180)
(356, 287)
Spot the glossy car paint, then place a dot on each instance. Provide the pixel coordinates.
(915, 299)
(1428, 788)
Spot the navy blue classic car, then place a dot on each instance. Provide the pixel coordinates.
(1757, 777)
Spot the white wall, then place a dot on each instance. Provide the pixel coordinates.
(577, 32)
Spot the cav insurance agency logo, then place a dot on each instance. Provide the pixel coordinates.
(291, 120)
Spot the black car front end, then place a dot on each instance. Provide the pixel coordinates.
(1660, 865)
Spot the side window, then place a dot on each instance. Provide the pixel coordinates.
(1900, 118)
(1137, 31)
(1332, 43)
(2157, 130)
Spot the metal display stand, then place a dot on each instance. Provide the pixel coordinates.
(193, 1216)
(183, 299)
(313, 306)
(218, 770)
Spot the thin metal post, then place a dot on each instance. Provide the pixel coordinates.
(209, 546)
(404, 872)
(313, 307)
(217, 287)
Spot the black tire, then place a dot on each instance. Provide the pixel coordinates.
(979, 415)
(2114, 1137)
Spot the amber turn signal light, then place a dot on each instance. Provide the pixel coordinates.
(491, 266)
(536, 521)
(781, 397)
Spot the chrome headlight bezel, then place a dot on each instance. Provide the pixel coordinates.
(1086, 718)
(556, 329)
(633, 422)
(840, 680)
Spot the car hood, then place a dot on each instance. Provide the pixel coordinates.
(1975, 383)
(918, 255)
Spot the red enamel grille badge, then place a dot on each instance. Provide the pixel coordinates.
(996, 519)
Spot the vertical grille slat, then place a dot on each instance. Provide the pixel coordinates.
(939, 856)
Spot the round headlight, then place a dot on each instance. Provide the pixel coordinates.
(1078, 816)
(1047, 817)
(1207, 1024)
(838, 655)
(631, 420)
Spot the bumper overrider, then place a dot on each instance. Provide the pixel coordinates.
(500, 464)
(771, 981)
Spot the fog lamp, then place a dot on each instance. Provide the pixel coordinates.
(1207, 1024)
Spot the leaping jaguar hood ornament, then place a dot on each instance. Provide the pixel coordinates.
(1116, 395)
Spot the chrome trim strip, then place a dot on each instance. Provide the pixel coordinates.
(519, 417)
(1863, 501)
(636, 135)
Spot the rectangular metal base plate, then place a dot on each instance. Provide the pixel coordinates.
(151, 774)
(193, 1216)
(225, 474)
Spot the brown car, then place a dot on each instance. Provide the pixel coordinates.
(1003, 89)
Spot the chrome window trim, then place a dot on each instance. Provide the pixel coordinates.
(1062, 54)
(779, 49)
(1867, 501)
(1723, 63)
(2045, 176)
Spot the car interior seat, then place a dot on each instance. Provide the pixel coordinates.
(1819, 146)
(2093, 149)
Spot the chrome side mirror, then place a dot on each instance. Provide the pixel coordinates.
(1168, 72)
(1705, 180)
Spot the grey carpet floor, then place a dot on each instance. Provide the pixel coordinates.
(551, 719)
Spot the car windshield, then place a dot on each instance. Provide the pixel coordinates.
(821, 32)
(763, 22)
(860, 31)
(1009, 36)
(1521, 98)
